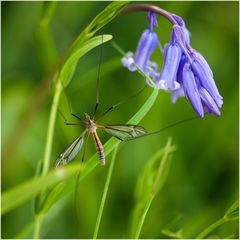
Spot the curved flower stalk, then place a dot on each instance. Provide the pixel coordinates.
(184, 73)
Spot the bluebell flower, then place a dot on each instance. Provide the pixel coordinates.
(184, 73)
(146, 45)
(195, 76)
(172, 55)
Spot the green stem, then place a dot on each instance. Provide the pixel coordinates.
(51, 125)
(210, 228)
(121, 51)
(37, 226)
(155, 187)
(105, 191)
(142, 220)
(49, 141)
(162, 165)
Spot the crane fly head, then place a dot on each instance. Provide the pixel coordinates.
(91, 127)
(87, 117)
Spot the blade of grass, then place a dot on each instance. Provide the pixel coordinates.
(25, 232)
(149, 183)
(102, 19)
(231, 214)
(210, 228)
(45, 46)
(143, 217)
(105, 191)
(37, 226)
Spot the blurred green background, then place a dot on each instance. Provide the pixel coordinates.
(203, 179)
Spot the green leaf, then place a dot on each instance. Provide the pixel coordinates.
(231, 236)
(167, 231)
(233, 212)
(103, 18)
(69, 66)
(149, 184)
(52, 197)
(148, 181)
(25, 191)
(45, 46)
(20, 194)
(171, 234)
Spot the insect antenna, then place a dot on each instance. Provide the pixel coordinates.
(98, 81)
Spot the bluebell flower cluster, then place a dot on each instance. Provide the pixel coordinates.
(184, 73)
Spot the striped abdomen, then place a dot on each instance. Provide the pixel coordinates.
(99, 148)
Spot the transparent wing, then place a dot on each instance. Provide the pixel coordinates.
(70, 152)
(124, 132)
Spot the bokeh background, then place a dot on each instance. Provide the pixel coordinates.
(203, 179)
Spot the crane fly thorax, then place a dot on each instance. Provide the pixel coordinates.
(91, 126)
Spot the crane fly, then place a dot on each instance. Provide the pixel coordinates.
(122, 132)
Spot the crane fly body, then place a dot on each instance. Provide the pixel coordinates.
(122, 132)
(92, 128)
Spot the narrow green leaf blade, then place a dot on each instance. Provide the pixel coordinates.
(46, 52)
(102, 19)
(52, 197)
(155, 172)
(25, 191)
(149, 183)
(69, 66)
(233, 212)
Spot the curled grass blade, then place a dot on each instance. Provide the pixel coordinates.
(69, 66)
(231, 214)
(149, 184)
(103, 18)
(45, 46)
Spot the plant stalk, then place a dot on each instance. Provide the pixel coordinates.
(48, 147)
(37, 226)
(142, 220)
(210, 228)
(51, 125)
(151, 8)
(105, 191)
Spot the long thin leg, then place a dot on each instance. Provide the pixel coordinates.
(98, 78)
(164, 128)
(120, 103)
(73, 124)
(68, 123)
(74, 115)
(77, 190)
